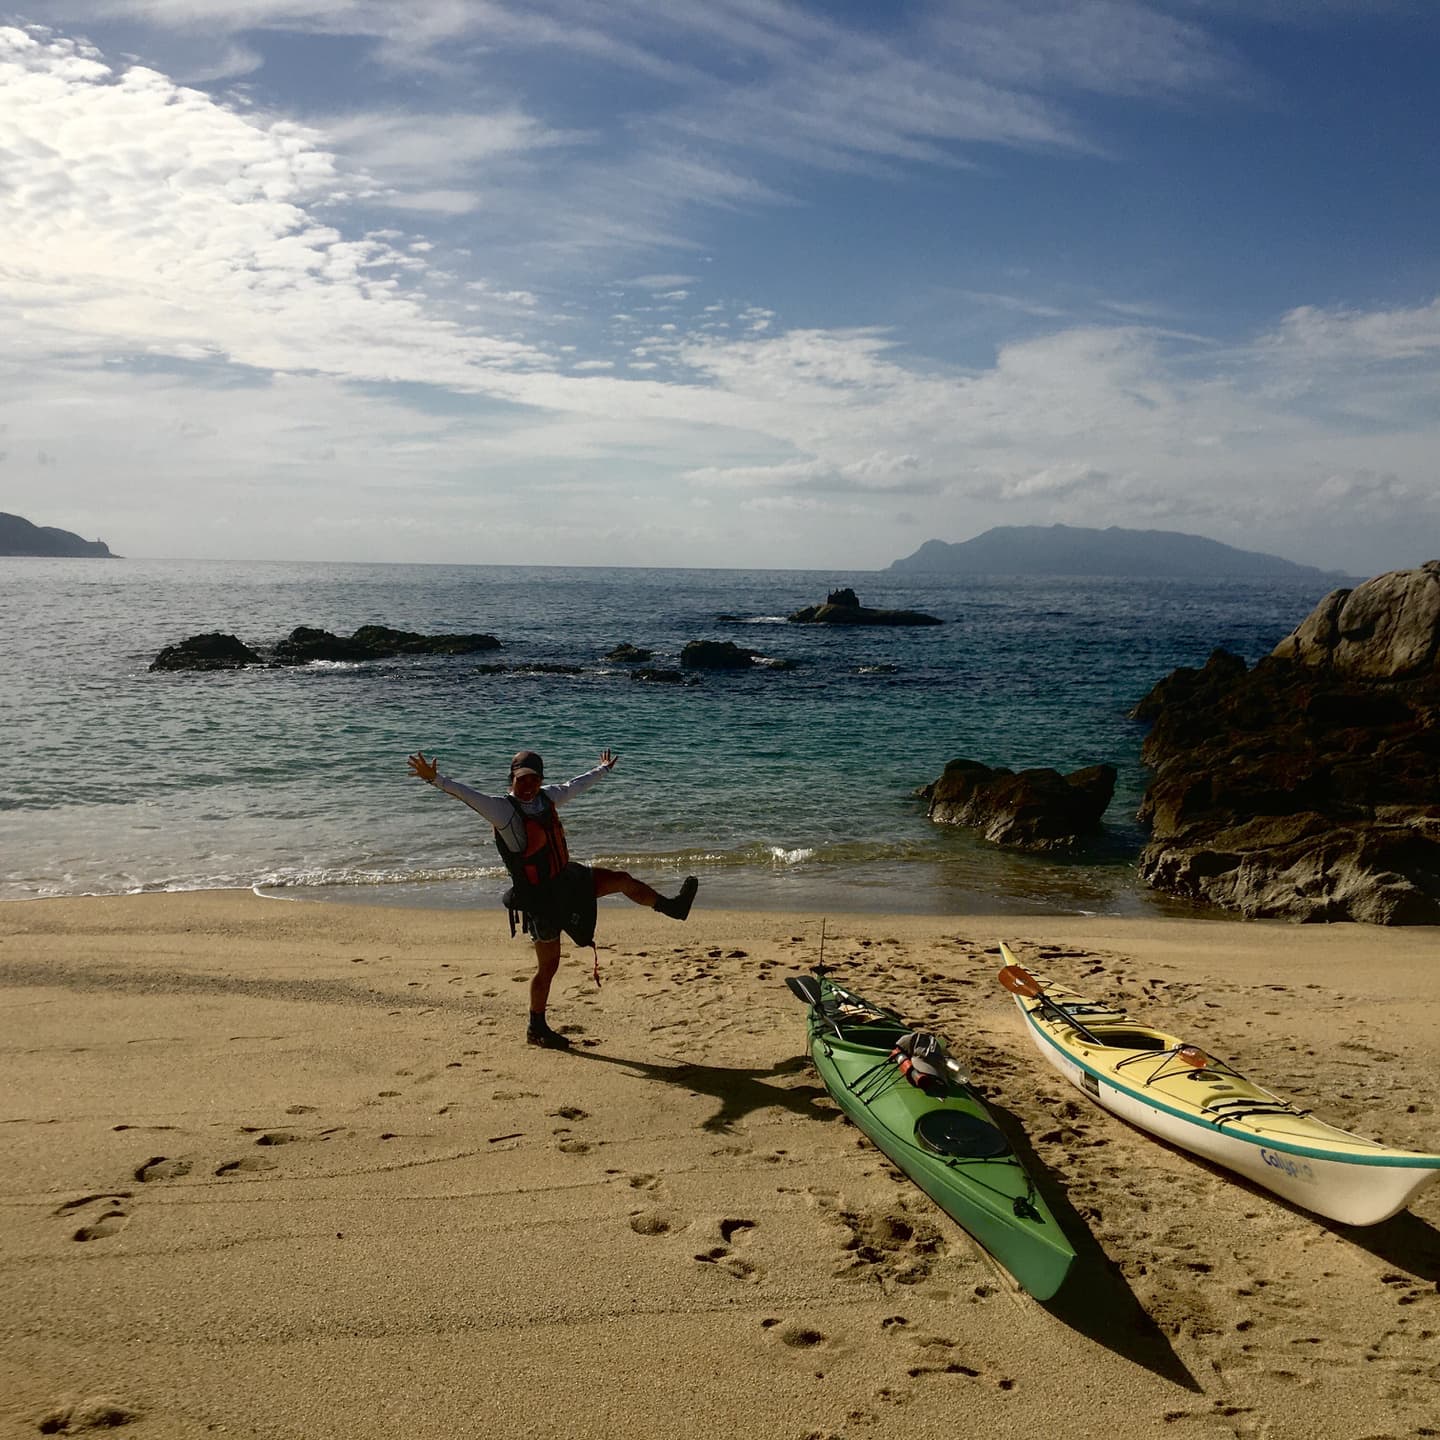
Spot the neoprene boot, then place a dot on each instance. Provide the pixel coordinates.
(540, 1033)
(679, 907)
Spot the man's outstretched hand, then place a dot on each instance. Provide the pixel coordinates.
(608, 759)
(427, 770)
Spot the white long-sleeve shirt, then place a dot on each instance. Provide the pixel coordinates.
(499, 810)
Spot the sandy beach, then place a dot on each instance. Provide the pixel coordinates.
(288, 1170)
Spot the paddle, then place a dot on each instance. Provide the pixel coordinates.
(1019, 981)
(804, 987)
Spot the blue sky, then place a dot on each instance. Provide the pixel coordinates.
(720, 282)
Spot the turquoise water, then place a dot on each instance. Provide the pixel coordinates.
(780, 788)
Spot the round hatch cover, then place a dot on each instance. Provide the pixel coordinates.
(953, 1132)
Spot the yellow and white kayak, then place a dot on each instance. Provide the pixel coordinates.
(1160, 1083)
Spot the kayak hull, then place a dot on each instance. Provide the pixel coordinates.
(989, 1194)
(1222, 1117)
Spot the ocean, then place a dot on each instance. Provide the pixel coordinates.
(782, 788)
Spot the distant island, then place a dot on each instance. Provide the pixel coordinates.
(1074, 550)
(19, 537)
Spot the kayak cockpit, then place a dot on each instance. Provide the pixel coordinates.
(1129, 1038)
(871, 1037)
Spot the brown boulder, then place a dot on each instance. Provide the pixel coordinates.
(1037, 809)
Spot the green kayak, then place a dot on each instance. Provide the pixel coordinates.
(916, 1103)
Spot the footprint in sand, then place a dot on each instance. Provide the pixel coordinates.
(939, 1356)
(98, 1413)
(574, 1147)
(161, 1167)
(110, 1223)
(796, 1334)
(109, 1214)
(638, 1181)
(889, 1244)
(113, 1197)
(570, 1112)
(249, 1165)
(723, 1255)
(651, 1222)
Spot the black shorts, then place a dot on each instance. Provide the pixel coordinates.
(567, 904)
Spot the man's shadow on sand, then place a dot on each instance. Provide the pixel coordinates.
(1095, 1299)
(738, 1091)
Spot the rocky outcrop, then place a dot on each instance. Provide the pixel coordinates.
(843, 607)
(630, 654)
(716, 655)
(305, 644)
(1033, 810)
(212, 651)
(1386, 629)
(1307, 787)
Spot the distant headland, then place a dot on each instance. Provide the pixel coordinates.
(19, 537)
(1074, 550)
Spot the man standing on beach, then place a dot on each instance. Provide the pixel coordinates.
(551, 891)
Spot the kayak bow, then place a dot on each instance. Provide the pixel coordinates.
(1178, 1092)
(917, 1105)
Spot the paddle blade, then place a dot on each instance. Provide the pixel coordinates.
(804, 987)
(1192, 1056)
(1019, 981)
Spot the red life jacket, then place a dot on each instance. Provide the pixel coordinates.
(545, 854)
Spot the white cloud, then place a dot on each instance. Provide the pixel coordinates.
(145, 216)
(444, 163)
(1313, 335)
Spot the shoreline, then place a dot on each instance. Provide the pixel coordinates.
(291, 1171)
(934, 888)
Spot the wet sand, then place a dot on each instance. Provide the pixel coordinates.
(279, 1169)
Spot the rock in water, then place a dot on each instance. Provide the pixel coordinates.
(1034, 810)
(715, 655)
(843, 607)
(629, 654)
(1309, 787)
(212, 651)
(305, 644)
(217, 651)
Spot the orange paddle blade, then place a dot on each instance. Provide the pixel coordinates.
(1019, 981)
